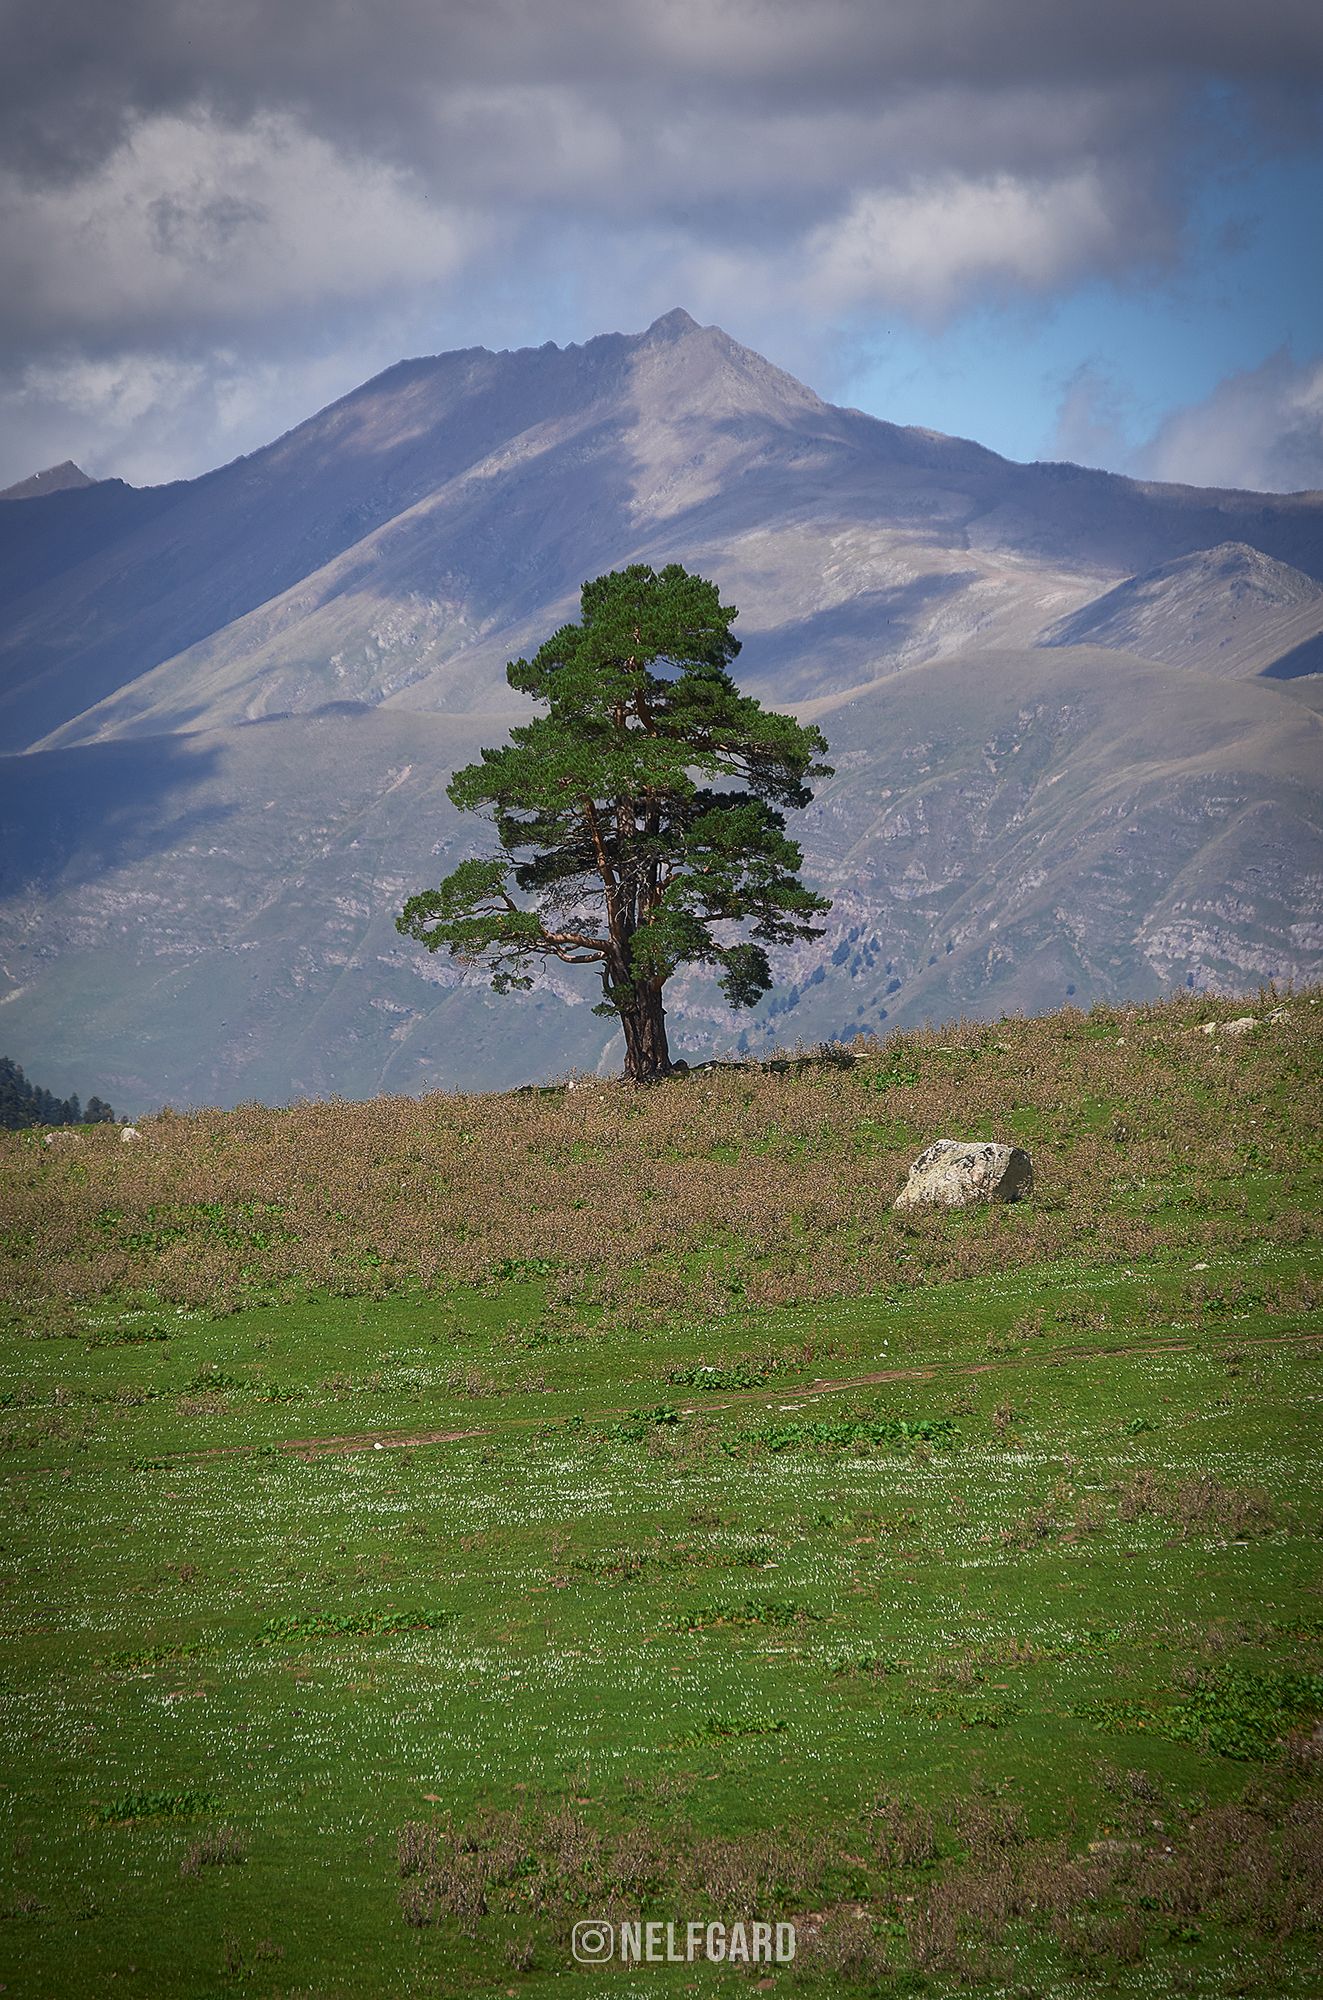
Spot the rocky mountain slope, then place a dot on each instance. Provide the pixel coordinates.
(64, 478)
(1070, 761)
(1230, 611)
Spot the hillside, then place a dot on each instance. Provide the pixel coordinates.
(214, 912)
(1071, 761)
(436, 1522)
(1229, 611)
(222, 1209)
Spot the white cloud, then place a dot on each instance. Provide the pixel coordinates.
(1261, 429)
(120, 391)
(927, 248)
(124, 415)
(191, 221)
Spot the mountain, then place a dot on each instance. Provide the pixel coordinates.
(1070, 759)
(1230, 611)
(401, 545)
(64, 478)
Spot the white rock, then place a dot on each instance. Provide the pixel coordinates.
(952, 1173)
(128, 1133)
(60, 1137)
(1241, 1025)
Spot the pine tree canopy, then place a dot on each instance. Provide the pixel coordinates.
(641, 819)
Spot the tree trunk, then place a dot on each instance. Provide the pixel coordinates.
(643, 1019)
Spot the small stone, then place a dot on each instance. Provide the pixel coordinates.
(952, 1173)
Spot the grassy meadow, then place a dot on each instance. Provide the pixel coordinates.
(430, 1523)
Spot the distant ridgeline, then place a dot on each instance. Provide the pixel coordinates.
(22, 1104)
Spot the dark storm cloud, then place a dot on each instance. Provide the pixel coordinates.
(76, 64)
(442, 86)
(191, 193)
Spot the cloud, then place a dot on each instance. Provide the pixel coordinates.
(1261, 429)
(227, 188)
(928, 248)
(124, 415)
(739, 121)
(374, 75)
(190, 222)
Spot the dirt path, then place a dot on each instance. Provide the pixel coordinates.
(309, 1448)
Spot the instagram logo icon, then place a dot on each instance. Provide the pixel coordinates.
(593, 1942)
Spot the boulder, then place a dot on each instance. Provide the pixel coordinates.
(128, 1133)
(1240, 1026)
(952, 1173)
(61, 1137)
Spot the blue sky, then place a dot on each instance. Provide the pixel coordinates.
(1248, 285)
(1066, 232)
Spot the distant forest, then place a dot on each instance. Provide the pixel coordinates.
(23, 1103)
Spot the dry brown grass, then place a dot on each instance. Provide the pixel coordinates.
(959, 1891)
(903, 1835)
(736, 1184)
(849, 1943)
(1203, 1505)
(211, 1403)
(222, 1848)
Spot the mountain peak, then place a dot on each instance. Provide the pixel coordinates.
(62, 478)
(673, 325)
(1229, 610)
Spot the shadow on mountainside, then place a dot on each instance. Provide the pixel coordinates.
(67, 817)
(853, 641)
(1306, 658)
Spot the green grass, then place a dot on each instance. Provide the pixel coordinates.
(973, 1625)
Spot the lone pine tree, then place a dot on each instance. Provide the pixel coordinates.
(639, 818)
